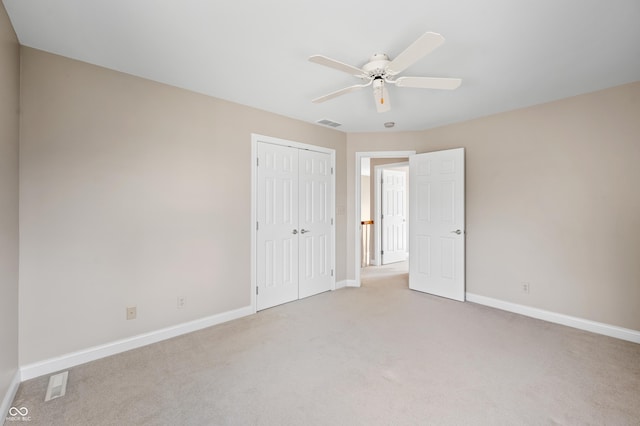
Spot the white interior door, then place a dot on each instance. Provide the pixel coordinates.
(315, 236)
(294, 236)
(394, 216)
(277, 216)
(436, 219)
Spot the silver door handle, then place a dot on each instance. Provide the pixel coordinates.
(457, 231)
(304, 231)
(295, 231)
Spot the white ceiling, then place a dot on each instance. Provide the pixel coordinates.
(509, 53)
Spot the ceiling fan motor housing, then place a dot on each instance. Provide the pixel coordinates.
(377, 65)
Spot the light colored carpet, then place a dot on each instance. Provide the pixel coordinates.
(378, 355)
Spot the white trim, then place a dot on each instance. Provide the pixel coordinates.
(377, 207)
(346, 283)
(254, 220)
(341, 284)
(255, 138)
(10, 395)
(357, 215)
(91, 354)
(575, 322)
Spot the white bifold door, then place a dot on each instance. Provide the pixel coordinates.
(436, 221)
(394, 216)
(294, 229)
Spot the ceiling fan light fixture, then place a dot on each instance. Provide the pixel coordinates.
(378, 89)
(380, 95)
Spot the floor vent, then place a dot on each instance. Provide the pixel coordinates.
(328, 123)
(57, 386)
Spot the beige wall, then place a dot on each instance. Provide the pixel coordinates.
(135, 193)
(552, 199)
(375, 162)
(366, 202)
(9, 135)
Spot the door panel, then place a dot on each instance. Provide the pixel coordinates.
(294, 237)
(436, 219)
(315, 223)
(394, 216)
(277, 215)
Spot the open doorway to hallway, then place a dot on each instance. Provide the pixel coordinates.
(383, 217)
(436, 221)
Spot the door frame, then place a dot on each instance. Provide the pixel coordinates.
(255, 139)
(377, 207)
(358, 194)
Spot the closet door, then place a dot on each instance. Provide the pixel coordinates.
(315, 235)
(277, 215)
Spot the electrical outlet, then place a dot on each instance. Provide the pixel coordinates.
(131, 313)
(525, 288)
(181, 302)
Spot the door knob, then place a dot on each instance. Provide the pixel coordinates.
(457, 231)
(304, 231)
(295, 231)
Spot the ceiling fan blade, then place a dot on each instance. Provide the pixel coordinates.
(339, 93)
(337, 65)
(418, 49)
(381, 95)
(429, 82)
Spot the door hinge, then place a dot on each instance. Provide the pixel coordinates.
(332, 170)
(257, 290)
(332, 221)
(381, 251)
(257, 226)
(258, 162)
(332, 272)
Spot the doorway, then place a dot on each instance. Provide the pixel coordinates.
(361, 166)
(437, 219)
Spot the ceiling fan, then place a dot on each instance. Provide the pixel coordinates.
(381, 71)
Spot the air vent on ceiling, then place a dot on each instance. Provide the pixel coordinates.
(328, 123)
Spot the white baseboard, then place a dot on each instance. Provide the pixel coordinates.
(341, 284)
(346, 283)
(91, 354)
(575, 322)
(10, 395)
